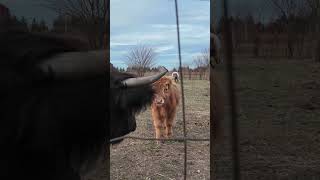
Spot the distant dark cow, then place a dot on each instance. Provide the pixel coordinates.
(164, 106)
(53, 106)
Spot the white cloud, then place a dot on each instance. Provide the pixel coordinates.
(112, 44)
(118, 52)
(185, 54)
(164, 48)
(161, 33)
(152, 22)
(198, 18)
(196, 12)
(125, 12)
(164, 26)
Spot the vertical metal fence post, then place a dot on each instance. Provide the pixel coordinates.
(229, 61)
(182, 92)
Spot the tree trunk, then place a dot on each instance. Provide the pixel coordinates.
(290, 43)
(256, 46)
(317, 50)
(316, 44)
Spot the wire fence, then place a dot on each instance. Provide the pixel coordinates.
(179, 139)
(185, 138)
(266, 50)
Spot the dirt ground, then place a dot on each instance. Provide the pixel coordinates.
(145, 160)
(279, 121)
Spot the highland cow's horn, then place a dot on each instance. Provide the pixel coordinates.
(140, 81)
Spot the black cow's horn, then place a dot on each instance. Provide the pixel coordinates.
(140, 81)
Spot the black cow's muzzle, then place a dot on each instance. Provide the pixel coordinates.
(130, 127)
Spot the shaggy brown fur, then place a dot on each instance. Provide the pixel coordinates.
(164, 106)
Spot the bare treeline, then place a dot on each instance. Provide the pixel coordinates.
(293, 32)
(201, 63)
(309, 11)
(92, 17)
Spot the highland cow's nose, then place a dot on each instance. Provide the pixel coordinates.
(159, 101)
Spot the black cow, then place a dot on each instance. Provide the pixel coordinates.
(53, 106)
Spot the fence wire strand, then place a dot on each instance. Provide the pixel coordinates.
(179, 139)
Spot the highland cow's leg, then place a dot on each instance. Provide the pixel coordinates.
(159, 134)
(169, 124)
(158, 131)
(158, 125)
(168, 129)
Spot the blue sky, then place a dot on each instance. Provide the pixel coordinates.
(153, 23)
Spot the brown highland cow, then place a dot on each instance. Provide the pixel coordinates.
(164, 106)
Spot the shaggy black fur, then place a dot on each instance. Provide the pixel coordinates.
(51, 128)
(121, 100)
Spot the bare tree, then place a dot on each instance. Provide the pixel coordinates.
(314, 6)
(306, 8)
(185, 70)
(288, 9)
(141, 58)
(92, 13)
(202, 62)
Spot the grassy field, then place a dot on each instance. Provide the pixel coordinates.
(136, 159)
(278, 104)
(279, 120)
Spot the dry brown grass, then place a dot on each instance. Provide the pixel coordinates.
(279, 120)
(136, 159)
